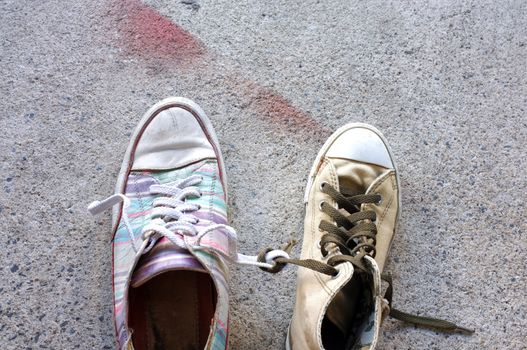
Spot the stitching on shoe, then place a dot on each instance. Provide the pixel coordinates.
(212, 189)
(141, 204)
(389, 204)
(385, 212)
(388, 176)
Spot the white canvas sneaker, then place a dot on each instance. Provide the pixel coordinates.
(352, 204)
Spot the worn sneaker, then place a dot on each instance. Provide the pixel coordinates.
(352, 205)
(171, 238)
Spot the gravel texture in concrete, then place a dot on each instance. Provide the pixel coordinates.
(446, 81)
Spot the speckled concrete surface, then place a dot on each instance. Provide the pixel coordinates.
(446, 81)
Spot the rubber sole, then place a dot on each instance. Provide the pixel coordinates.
(287, 346)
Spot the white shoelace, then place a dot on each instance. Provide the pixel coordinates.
(172, 218)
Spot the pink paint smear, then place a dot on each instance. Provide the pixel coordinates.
(147, 34)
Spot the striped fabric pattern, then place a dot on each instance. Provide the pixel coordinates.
(213, 211)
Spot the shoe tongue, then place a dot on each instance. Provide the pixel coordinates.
(356, 177)
(164, 257)
(360, 178)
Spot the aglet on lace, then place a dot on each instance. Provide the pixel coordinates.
(422, 321)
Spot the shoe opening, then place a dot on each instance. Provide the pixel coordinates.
(350, 319)
(172, 311)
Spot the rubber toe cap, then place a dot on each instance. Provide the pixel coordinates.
(361, 144)
(171, 139)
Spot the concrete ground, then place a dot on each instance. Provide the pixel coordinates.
(446, 81)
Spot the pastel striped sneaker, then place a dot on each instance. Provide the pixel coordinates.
(171, 238)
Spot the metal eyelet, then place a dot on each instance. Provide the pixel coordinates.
(380, 201)
(319, 246)
(322, 184)
(320, 204)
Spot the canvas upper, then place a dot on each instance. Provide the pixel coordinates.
(355, 158)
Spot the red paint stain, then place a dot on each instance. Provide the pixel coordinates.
(146, 33)
(280, 112)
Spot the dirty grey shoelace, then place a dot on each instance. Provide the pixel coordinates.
(355, 236)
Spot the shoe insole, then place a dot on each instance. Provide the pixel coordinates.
(172, 311)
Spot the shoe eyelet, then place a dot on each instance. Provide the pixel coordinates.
(380, 200)
(319, 246)
(322, 184)
(336, 276)
(320, 204)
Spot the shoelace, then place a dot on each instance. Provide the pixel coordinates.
(355, 237)
(172, 218)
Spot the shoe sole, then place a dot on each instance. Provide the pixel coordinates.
(314, 168)
(170, 102)
(287, 346)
